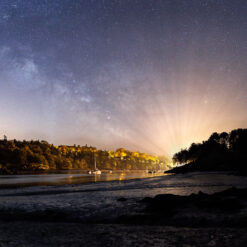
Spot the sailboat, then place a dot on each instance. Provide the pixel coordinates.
(96, 170)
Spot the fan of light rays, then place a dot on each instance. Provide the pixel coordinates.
(169, 115)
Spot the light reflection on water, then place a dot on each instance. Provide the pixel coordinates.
(69, 177)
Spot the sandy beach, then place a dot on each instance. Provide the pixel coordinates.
(87, 214)
(75, 234)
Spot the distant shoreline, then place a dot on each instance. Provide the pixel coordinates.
(77, 179)
(64, 171)
(26, 157)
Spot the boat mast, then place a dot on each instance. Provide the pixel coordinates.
(95, 162)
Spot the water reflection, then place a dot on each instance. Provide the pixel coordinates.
(69, 177)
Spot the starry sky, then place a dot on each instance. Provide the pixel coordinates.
(147, 75)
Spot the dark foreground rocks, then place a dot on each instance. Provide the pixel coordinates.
(201, 219)
(26, 233)
(222, 209)
(227, 208)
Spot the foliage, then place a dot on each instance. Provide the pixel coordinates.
(222, 151)
(21, 156)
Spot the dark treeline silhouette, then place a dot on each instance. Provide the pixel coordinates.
(30, 156)
(221, 152)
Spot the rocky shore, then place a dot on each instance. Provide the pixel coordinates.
(227, 208)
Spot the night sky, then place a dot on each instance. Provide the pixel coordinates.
(146, 75)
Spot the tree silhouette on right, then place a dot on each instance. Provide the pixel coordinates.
(221, 152)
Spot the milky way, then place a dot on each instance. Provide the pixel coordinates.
(152, 76)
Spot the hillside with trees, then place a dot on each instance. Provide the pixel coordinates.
(34, 156)
(221, 152)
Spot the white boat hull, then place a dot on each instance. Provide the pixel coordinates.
(97, 172)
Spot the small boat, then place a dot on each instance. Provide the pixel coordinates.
(96, 170)
(151, 171)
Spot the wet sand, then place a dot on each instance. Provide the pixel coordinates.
(85, 215)
(75, 234)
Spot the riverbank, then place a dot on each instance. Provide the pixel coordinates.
(71, 177)
(197, 167)
(92, 214)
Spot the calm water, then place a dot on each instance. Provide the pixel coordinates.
(88, 199)
(69, 177)
(93, 199)
(182, 184)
